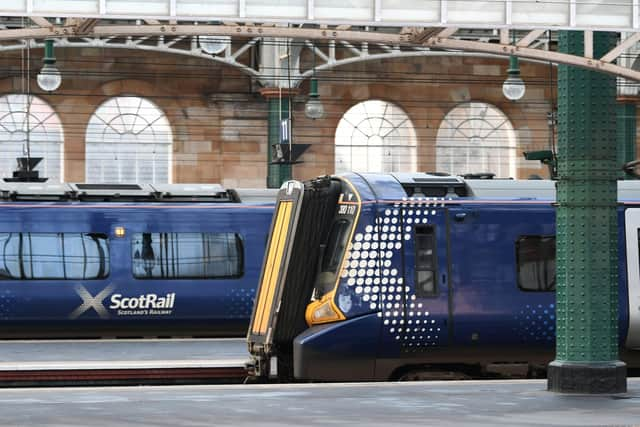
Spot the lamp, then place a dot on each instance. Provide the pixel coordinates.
(49, 78)
(513, 87)
(314, 109)
(213, 45)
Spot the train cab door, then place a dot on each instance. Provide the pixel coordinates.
(415, 309)
(632, 240)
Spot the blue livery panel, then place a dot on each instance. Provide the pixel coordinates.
(434, 275)
(126, 302)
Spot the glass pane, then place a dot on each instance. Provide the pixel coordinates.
(425, 283)
(466, 11)
(187, 255)
(476, 137)
(536, 257)
(206, 7)
(344, 9)
(277, 8)
(28, 124)
(604, 13)
(135, 135)
(65, 6)
(375, 136)
(411, 10)
(138, 7)
(59, 256)
(548, 12)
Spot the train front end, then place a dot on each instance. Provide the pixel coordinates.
(309, 299)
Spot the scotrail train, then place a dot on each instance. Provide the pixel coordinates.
(95, 260)
(371, 276)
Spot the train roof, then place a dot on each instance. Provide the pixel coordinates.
(482, 186)
(211, 193)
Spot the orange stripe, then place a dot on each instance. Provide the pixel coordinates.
(275, 272)
(267, 273)
(271, 267)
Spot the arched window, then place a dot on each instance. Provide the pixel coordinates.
(375, 136)
(476, 137)
(29, 125)
(128, 140)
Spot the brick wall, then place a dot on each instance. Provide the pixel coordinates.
(219, 121)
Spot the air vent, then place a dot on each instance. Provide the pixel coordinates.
(108, 187)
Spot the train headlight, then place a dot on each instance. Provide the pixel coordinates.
(119, 231)
(323, 311)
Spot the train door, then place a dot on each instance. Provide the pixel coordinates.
(502, 276)
(632, 238)
(414, 286)
(426, 272)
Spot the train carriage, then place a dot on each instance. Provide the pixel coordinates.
(409, 274)
(132, 260)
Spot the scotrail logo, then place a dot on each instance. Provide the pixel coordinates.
(148, 304)
(140, 305)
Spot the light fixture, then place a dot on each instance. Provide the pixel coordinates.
(214, 45)
(49, 78)
(513, 87)
(314, 109)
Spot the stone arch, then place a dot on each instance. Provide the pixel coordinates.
(375, 136)
(476, 137)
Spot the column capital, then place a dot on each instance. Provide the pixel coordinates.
(276, 92)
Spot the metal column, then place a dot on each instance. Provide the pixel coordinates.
(626, 133)
(587, 232)
(279, 107)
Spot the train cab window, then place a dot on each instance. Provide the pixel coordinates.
(425, 261)
(335, 246)
(54, 256)
(536, 261)
(187, 255)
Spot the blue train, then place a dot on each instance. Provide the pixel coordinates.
(95, 260)
(372, 277)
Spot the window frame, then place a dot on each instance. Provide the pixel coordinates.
(420, 293)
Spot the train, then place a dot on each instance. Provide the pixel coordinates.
(129, 260)
(414, 275)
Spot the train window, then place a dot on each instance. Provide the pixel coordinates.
(335, 246)
(54, 256)
(187, 255)
(536, 261)
(425, 261)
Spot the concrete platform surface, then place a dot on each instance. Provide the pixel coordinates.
(121, 354)
(460, 403)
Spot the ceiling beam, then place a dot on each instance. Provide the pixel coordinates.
(40, 21)
(421, 35)
(85, 26)
(619, 50)
(541, 55)
(530, 38)
(435, 41)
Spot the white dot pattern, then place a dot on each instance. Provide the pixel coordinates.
(373, 273)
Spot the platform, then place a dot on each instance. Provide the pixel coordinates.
(64, 362)
(459, 403)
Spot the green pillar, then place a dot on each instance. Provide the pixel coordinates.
(278, 101)
(587, 232)
(626, 133)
